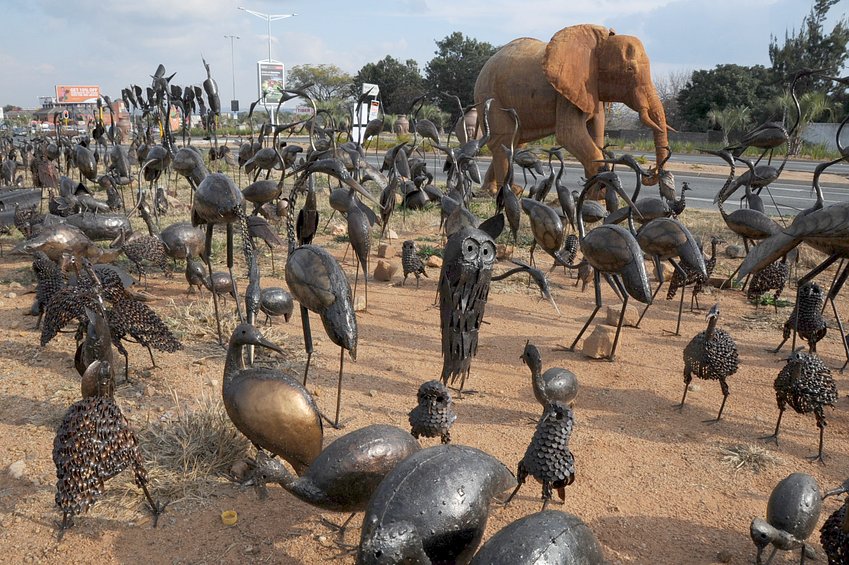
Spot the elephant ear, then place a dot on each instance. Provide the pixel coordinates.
(571, 64)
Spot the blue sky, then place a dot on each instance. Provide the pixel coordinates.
(117, 42)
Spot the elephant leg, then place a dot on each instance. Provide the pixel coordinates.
(572, 133)
(498, 167)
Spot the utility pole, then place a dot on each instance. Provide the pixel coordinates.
(268, 19)
(232, 38)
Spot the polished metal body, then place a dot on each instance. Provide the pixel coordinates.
(544, 538)
(792, 514)
(273, 410)
(347, 472)
(432, 507)
(555, 384)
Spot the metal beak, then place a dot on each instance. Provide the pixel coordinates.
(359, 188)
(265, 343)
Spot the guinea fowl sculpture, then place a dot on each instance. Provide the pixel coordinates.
(834, 533)
(711, 355)
(50, 279)
(806, 385)
(141, 249)
(126, 315)
(613, 251)
(346, 473)
(806, 318)
(434, 415)
(773, 277)
(543, 538)
(792, 513)
(555, 384)
(411, 262)
(432, 507)
(548, 458)
(270, 408)
(94, 443)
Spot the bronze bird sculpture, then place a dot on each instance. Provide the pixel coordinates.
(270, 408)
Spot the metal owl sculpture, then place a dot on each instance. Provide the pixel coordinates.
(467, 263)
(463, 290)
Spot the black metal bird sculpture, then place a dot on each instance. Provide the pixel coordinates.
(346, 473)
(434, 415)
(548, 457)
(219, 201)
(463, 291)
(556, 384)
(792, 513)
(834, 534)
(432, 507)
(411, 262)
(806, 385)
(543, 538)
(806, 318)
(613, 251)
(711, 354)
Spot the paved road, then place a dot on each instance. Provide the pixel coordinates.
(789, 195)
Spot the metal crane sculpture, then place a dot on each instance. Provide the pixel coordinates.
(318, 283)
(270, 408)
(219, 201)
(825, 228)
(614, 252)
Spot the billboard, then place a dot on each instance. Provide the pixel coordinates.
(271, 79)
(67, 94)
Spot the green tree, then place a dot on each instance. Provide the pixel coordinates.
(812, 106)
(811, 47)
(725, 86)
(455, 68)
(328, 81)
(433, 113)
(731, 118)
(399, 82)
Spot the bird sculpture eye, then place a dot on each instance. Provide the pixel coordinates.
(488, 252)
(470, 250)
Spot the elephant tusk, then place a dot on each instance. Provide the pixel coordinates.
(646, 119)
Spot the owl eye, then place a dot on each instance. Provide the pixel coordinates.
(470, 250)
(488, 252)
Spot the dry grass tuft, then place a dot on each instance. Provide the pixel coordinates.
(196, 320)
(188, 455)
(753, 457)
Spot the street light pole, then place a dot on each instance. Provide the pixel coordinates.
(232, 63)
(268, 19)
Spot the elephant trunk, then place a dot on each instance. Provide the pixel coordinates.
(654, 117)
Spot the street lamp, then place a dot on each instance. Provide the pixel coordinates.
(232, 38)
(268, 19)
